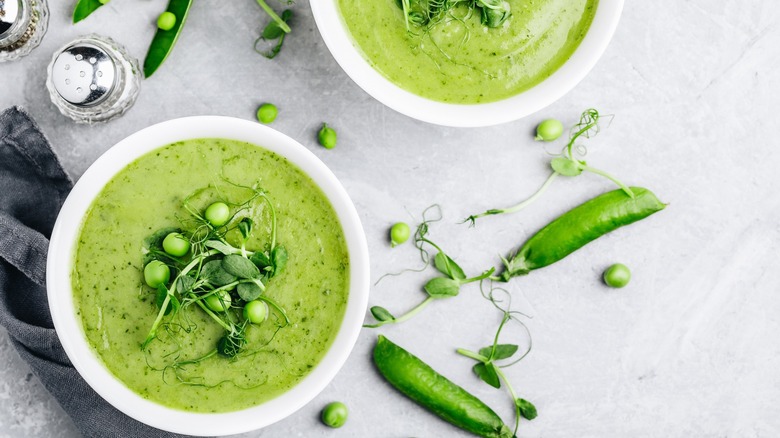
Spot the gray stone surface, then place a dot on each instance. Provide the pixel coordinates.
(690, 348)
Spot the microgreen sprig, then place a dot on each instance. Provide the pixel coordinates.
(568, 164)
(437, 288)
(490, 372)
(217, 277)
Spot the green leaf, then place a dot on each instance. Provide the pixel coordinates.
(239, 266)
(159, 299)
(488, 374)
(222, 247)
(565, 166)
(84, 8)
(527, 409)
(503, 351)
(249, 291)
(381, 314)
(278, 259)
(273, 31)
(245, 227)
(184, 284)
(260, 259)
(448, 267)
(441, 287)
(214, 273)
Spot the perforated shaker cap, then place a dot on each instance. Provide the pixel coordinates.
(84, 74)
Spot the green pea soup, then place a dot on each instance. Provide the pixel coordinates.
(117, 309)
(458, 59)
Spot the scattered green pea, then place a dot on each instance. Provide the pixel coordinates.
(176, 245)
(256, 311)
(549, 130)
(327, 136)
(399, 233)
(218, 302)
(334, 414)
(267, 113)
(218, 214)
(166, 21)
(156, 273)
(617, 275)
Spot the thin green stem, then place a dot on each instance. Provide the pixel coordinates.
(480, 277)
(471, 354)
(519, 206)
(514, 396)
(227, 327)
(277, 307)
(274, 16)
(609, 177)
(153, 331)
(408, 315)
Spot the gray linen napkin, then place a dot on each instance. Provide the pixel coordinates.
(33, 187)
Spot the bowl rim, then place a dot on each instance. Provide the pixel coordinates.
(348, 55)
(62, 249)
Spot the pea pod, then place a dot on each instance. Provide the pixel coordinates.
(579, 226)
(435, 392)
(84, 8)
(164, 40)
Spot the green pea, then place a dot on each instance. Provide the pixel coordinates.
(256, 311)
(267, 113)
(399, 233)
(327, 136)
(166, 21)
(176, 245)
(218, 214)
(218, 302)
(334, 414)
(156, 273)
(617, 275)
(102, 2)
(549, 130)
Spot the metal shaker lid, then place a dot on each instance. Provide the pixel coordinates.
(84, 74)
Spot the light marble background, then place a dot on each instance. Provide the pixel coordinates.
(690, 348)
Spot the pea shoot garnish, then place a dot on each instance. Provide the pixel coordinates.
(490, 371)
(569, 163)
(207, 267)
(274, 31)
(445, 286)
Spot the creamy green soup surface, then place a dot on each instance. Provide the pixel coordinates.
(117, 309)
(459, 60)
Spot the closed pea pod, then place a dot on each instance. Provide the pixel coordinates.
(580, 226)
(418, 381)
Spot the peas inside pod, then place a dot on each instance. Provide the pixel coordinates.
(166, 21)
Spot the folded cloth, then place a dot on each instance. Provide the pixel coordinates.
(33, 187)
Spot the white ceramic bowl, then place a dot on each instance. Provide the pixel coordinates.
(339, 41)
(68, 325)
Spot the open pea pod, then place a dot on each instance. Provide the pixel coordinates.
(164, 40)
(84, 8)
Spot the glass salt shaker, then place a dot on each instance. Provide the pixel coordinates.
(22, 26)
(93, 79)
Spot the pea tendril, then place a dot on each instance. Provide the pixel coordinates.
(567, 163)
